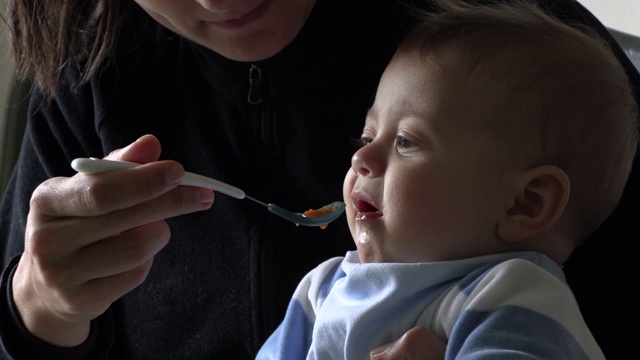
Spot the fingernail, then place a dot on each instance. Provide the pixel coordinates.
(174, 174)
(205, 196)
(379, 350)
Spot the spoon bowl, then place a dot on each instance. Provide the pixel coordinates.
(320, 217)
(327, 213)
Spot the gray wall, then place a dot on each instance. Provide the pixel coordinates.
(6, 75)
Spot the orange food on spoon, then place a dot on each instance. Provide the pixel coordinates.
(320, 212)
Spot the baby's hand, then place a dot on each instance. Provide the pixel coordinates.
(418, 343)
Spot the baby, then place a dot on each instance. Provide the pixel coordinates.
(499, 139)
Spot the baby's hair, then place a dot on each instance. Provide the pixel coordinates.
(557, 94)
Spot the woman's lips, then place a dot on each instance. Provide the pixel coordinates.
(247, 18)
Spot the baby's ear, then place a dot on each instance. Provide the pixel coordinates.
(540, 197)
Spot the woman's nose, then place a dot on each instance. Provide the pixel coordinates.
(367, 161)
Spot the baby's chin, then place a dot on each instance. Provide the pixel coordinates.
(368, 258)
(370, 253)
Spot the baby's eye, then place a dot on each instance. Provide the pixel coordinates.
(361, 141)
(404, 143)
(365, 140)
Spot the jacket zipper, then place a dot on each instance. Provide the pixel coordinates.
(255, 77)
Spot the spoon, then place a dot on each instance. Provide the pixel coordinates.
(320, 217)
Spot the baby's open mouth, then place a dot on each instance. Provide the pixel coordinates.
(366, 211)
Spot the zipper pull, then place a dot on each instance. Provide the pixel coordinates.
(255, 77)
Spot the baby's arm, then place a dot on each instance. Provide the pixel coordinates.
(516, 309)
(292, 339)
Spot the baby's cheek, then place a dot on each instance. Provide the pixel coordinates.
(350, 211)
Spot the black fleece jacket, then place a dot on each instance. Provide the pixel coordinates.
(223, 282)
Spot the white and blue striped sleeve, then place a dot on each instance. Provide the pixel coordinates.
(515, 310)
(292, 339)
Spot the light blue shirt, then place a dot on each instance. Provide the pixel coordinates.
(504, 306)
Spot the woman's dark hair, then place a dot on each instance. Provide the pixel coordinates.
(48, 36)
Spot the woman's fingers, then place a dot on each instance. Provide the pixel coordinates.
(105, 258)
(87, 195)
(145, 149)
(90, 239)
(113, 219)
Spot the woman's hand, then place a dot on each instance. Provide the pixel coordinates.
(90, 239)
(418, 343)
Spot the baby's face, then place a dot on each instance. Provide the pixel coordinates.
(244, 30)
(428, 184)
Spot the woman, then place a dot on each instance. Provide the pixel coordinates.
(264, 95)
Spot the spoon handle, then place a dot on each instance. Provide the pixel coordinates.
(96, 166)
